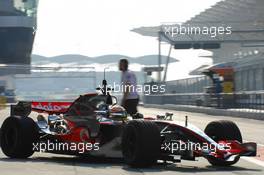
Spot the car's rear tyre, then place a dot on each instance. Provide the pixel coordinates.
(17, 136)
(0, 137)
(141, 143)
(223, 130)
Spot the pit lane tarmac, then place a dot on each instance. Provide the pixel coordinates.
(44, 163)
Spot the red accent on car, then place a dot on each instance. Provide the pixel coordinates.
(50, 107)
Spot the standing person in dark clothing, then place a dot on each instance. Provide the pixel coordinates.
(128, 84)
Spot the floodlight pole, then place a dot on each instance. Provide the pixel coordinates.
(159, 56)
(167, 64)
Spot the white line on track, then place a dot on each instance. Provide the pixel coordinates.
(260, 144)
(253, 160)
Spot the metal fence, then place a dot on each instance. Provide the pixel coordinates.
(188, 85)
(250, 100)
(242, 101)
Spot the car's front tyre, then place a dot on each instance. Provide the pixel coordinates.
(141, 143)
(223, 130)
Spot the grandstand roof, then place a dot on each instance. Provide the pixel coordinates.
(244, 16)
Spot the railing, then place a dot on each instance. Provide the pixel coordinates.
(188, 85)
(246, 101)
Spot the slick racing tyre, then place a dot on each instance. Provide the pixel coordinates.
(223, 130)
(141, 143)
(17, 136)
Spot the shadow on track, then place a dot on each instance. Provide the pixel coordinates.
(108, 162)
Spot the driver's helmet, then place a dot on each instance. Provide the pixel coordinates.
(117, 112)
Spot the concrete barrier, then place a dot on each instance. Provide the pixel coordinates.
(209, 111)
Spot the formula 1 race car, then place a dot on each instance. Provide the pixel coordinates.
(95, 125)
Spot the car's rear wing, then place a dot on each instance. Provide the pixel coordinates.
(24, 108)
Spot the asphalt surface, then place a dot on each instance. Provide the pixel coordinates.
(43, 163)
